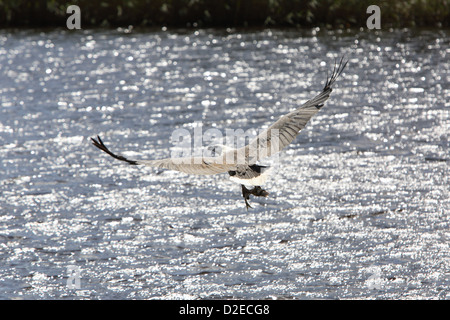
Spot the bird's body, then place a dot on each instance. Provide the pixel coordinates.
(241, 163)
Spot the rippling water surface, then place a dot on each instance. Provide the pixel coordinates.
(358, 206)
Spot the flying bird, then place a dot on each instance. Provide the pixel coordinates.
(242, 163)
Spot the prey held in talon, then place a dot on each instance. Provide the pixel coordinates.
(242, 163)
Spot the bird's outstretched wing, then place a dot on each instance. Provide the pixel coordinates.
(284, 131)
(269, 142)
(190, 165)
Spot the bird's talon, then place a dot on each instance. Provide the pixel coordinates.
(256, 191)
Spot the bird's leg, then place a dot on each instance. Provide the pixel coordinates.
(256, 191)
(246, 194)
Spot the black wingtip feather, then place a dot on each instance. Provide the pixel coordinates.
(99, 144)
(337, 71)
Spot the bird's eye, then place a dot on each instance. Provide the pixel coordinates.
(212, 151)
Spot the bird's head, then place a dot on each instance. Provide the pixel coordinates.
(216, 150)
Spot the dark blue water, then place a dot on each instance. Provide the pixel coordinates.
(358, 206)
